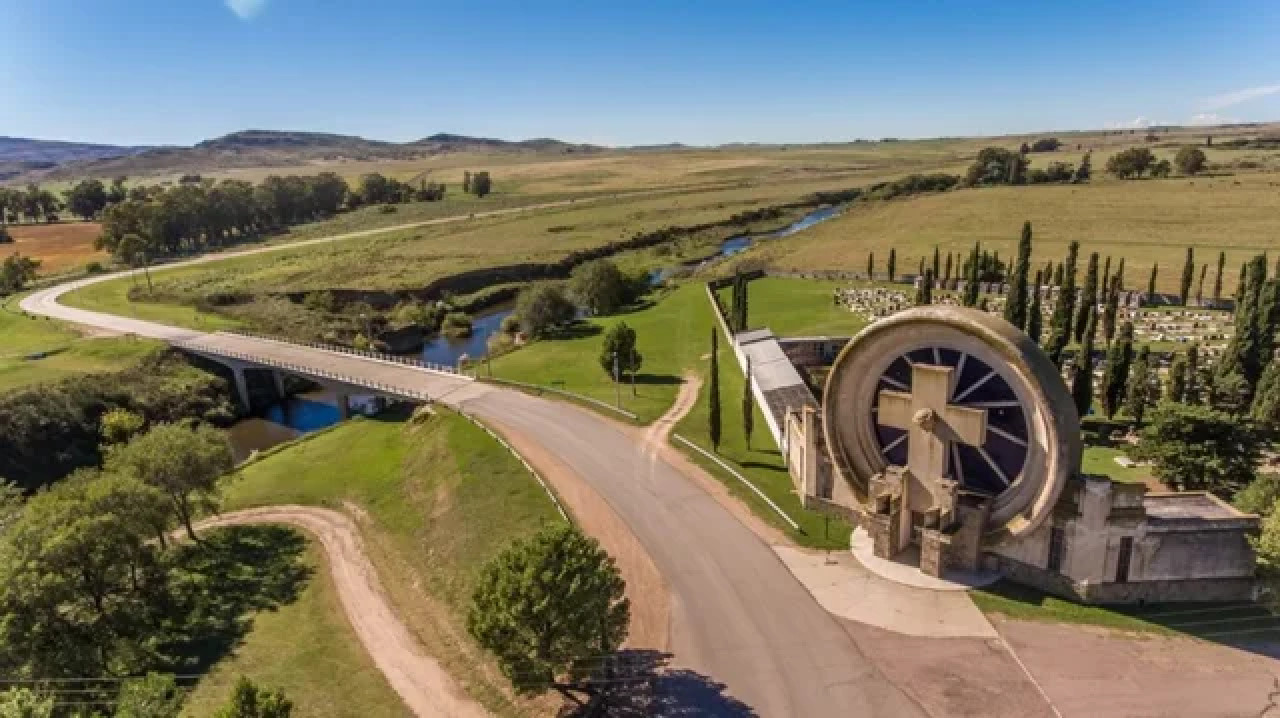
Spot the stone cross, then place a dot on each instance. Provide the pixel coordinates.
(931, 423)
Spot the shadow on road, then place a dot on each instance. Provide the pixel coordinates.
(644, 684)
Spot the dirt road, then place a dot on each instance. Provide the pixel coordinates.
(419, 680)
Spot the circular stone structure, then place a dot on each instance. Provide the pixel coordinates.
(1031, 444)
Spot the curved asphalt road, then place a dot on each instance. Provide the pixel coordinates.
(738, 615)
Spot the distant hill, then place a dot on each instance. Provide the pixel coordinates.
(19, 155)
(251, 148)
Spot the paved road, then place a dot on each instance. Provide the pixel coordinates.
(738, 615)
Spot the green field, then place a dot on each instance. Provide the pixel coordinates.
(308, 649)
(797, 307)
(434, 501)
(35, 350)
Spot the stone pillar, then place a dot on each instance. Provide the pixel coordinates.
(344, 405)
(808, 422)
(242, 386)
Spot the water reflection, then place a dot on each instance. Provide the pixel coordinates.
(285, 421)
(447, 351)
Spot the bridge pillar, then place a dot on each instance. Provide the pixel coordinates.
(344, 405)
(242, 386)
(278, 377)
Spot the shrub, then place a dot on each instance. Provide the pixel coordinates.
(456, 324)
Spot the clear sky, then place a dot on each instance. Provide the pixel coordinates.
(628, 71)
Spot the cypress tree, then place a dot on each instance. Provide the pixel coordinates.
(1151, 284)
(1138, 393)
(928, 286)
(1204, 269)
(713, 396)
(971, 289)
(1243, 355)
(920, 269)
(1266, 400)
(1057, 275)
(1047, 273)
(1015, 308)
(1120, 274)
(1217, 277)
(937, 268)
(1116, 376)
(742, 305)
(1082, 381)
(871, 265)
(1088, 297)
(1104, 285)
(893, 263)
(1064, 310)
(1175, 389)
(946, 277)
(748, 406)
(1241, 280)
(1111, 310)
(1191, 382)
(1034, 318)
(735, 302)
(1188, 274)
(1268, 320)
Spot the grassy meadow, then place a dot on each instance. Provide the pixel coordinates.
(435, 500)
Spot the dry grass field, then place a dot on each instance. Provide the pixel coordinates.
(60, 247)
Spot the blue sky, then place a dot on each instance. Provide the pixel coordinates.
(630, 71)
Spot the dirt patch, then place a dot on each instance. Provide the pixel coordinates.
(418, 678)
(1090, 671)
(60, 246)
(650, 600)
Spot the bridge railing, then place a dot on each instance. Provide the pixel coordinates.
(308, 371)
(337, 348)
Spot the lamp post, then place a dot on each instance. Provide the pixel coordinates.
(617, 388)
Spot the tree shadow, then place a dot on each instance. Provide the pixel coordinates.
(758, 465)
(576, 330)
(216, 584)
(643, 684)
(657, 379)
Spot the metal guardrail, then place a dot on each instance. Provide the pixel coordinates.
(563, 392)
(350, 351)
(309, 371)
(790, 521)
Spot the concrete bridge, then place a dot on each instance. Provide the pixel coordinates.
(342, 370)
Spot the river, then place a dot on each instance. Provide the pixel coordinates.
(285, 421)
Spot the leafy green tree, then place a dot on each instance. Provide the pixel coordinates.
(481, 184)
(1035, 318)
(1063, 311)
(1088, 297)
(81, 584)
(1260, 497)
(1116, 376)
(1199, 448)
(87, 198)
(1139, 392)
(156, 695)
(1085, 169)
(26, 703)
(133, 250)
(16, 272)
(1151, 284)
(748, 406)
(1241, 283)
(1268, 319)
(893, 264)
(600, 287)
(1175, 389)
(973, 277)
(119, 425)
(1132, 162)
(1111, 310)
(1188, 273)
(1266, 400)
(1243, 355)
(466, 181)
(1015, 308)
(542, 309)
(1217, 277)
(1082, 380)
(713, 394)
(549, 608)
(117, 193)
(183, 462)
(250, 701)
(1161, 169)
(620, 344)
(1190, 160)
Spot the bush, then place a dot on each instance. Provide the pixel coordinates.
(322, 301)
(543, 308)
(456, 324)
(1190, 160)
(94, 268)
(1048, 144)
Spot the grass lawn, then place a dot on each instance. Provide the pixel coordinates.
(63, 351)
(435, 502)
(1222, 622)
(308, 649)
(797, 307)
(113, 297)
(1101, 460)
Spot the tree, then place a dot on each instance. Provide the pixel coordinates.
(1116, 376)
(1151, 284)
(1266, 399)
(1015, 308)
(748, 406)
(26, 703)
(946, 277)
(117, 193)
(1243, 355)
(1189, 160)
(713, 395)
(1175, 389)
(185, 463)
(620, 344)
(1111, 310)
(973, 277)
(87, 198)
(481, 184)
(133, 250)
(119, 425)
(996, 166)
(1199, 448)
(1131, 162)
(543, 308)
(1035, 320)
(1217, 277)
(1082, 380)
(937, 262)
(599, 286)
(1063, 311)
(1204, 270)
(16, 272)
(466, 181)
(1161, 169)
(1138, 393)
(1188, 274)
(550, 607)
(249, 701)
(1084, 170)
(1241, 281)
(1088, 297)
(871, 265)
(920, 268)
(154, 696)
(893, 264)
